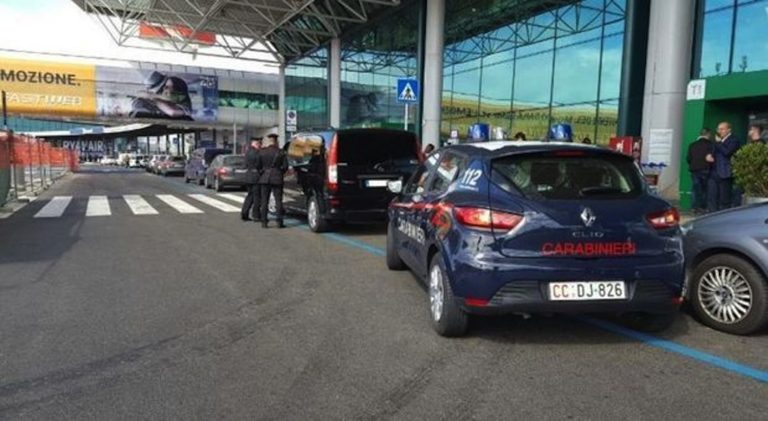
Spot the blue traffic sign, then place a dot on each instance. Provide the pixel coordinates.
(407, 91)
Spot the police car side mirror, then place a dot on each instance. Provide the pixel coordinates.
(395, 186)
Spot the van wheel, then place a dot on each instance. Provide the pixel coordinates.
(186, 179)
(448, 319)
(201, 181)
(217, 184)
(314, 217)
(729, 294)
(394, 262)
(272, 205)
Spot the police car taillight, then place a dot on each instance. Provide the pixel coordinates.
(486, 218)
(332, 181)
(669, 218)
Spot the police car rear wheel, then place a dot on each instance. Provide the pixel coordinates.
(394, 262)
(729, 294)
(448, 319)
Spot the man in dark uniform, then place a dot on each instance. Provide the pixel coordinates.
(252, 205)
(272, 164)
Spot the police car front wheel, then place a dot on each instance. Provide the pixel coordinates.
(448, 319)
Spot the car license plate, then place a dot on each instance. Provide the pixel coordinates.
(240, 171)
(582, 291)
(376, 183)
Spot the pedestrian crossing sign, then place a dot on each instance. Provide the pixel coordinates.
(407, 91)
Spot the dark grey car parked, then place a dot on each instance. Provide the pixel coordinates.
(727, 259)
(226, 171)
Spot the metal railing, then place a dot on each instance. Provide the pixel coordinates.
(30, 165)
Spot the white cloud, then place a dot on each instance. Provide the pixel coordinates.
(61, 28)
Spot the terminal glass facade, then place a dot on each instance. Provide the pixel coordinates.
(371, 62)
(526, 68)
(734, 37)
(248, 100)
(517, 65)
(306, 90)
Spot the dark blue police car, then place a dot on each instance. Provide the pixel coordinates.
(530, 227)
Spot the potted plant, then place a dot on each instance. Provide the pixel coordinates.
(750, 169)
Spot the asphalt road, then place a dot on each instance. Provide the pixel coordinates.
(200, 316)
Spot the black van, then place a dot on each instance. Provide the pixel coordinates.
(342, 175)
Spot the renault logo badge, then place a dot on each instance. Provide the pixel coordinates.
(588, 217)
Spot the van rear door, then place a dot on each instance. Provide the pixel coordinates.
(368, 159)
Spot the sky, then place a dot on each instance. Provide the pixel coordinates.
(61, 28)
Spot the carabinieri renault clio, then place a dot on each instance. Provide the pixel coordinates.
(533, 227)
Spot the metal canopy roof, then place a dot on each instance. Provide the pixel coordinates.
(261, 30)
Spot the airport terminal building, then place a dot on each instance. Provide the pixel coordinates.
(607, 67)
(653, 70)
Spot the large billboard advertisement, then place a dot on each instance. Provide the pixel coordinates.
(107, 93)
(154, 94)
(59, 89)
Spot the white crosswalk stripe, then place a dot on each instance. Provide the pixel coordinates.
(233, 197)
(138, 205)
(55, 207)
(178, 204)
(98, 206)
(218, 204)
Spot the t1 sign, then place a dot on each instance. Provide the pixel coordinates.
(696, 89)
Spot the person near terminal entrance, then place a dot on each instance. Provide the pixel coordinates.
(252, 205)
(755, 134)
(272, 163)
(700, 169)
(720, 183)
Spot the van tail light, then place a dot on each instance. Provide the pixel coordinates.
(223, 171)
(487, 219)
(332, 182)
(666, 219)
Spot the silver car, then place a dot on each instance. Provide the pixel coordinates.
(727, 260)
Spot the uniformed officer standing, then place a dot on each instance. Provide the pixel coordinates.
(252, 205)
(272, 163)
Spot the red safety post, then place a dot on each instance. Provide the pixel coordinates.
(5, 166)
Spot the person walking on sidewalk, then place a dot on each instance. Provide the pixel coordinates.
(700, 168)
(272, 164)
(252, 205)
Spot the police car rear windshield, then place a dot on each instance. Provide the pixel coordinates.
(568, 176)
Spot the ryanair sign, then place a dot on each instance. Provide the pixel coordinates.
(34, 87)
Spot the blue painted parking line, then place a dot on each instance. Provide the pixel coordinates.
(666, 345)
(683, 350)
(340, 239)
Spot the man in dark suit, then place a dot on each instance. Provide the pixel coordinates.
(700, 168)
(720, 185)
(252, 205)
(272, 163)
